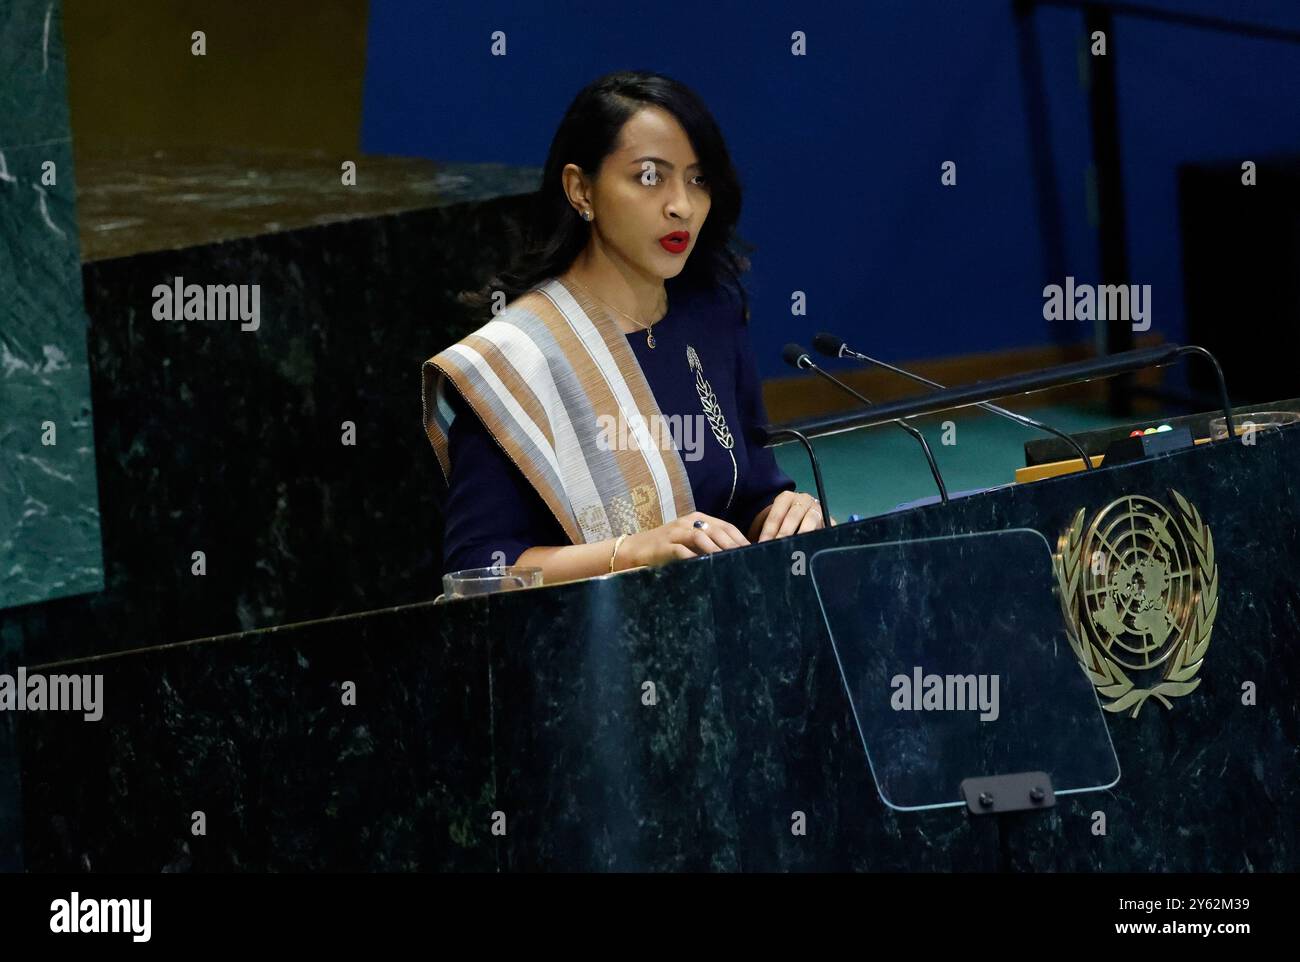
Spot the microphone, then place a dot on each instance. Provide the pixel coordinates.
(833, 346)
(797, 357)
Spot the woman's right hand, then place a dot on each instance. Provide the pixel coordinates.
(679, 539)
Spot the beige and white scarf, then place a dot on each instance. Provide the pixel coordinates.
(543, 376)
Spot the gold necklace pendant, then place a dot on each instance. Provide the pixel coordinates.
(649, 328)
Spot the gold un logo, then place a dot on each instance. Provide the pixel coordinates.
(1140, 591)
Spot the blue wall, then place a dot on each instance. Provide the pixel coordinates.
(840, 151)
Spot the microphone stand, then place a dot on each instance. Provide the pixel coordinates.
(1021, 419)
(804, 360)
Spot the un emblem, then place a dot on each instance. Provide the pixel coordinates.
(1140, 590)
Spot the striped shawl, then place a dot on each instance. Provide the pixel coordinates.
(544, 376)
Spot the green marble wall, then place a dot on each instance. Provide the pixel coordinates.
(49, 508)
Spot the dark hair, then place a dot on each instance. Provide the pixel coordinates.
(553, 234)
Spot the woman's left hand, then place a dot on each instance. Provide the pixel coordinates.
(793, 512)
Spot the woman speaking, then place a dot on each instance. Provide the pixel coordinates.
(603, 418)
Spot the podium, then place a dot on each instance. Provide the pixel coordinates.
(705, 715)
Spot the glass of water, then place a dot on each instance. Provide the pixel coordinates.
(1252, 420)
(470, 582)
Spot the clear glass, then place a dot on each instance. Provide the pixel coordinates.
(976, 610)
(470, 582)
(1261, 420)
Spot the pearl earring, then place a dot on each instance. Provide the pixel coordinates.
(586, 215)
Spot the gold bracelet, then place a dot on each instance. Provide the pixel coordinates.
(613, 554)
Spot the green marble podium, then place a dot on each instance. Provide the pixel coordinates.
(49, 508)
(513, 733)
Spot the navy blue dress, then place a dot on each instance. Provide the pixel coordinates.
(492, 508)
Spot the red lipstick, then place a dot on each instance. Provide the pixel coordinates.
(675, 242)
